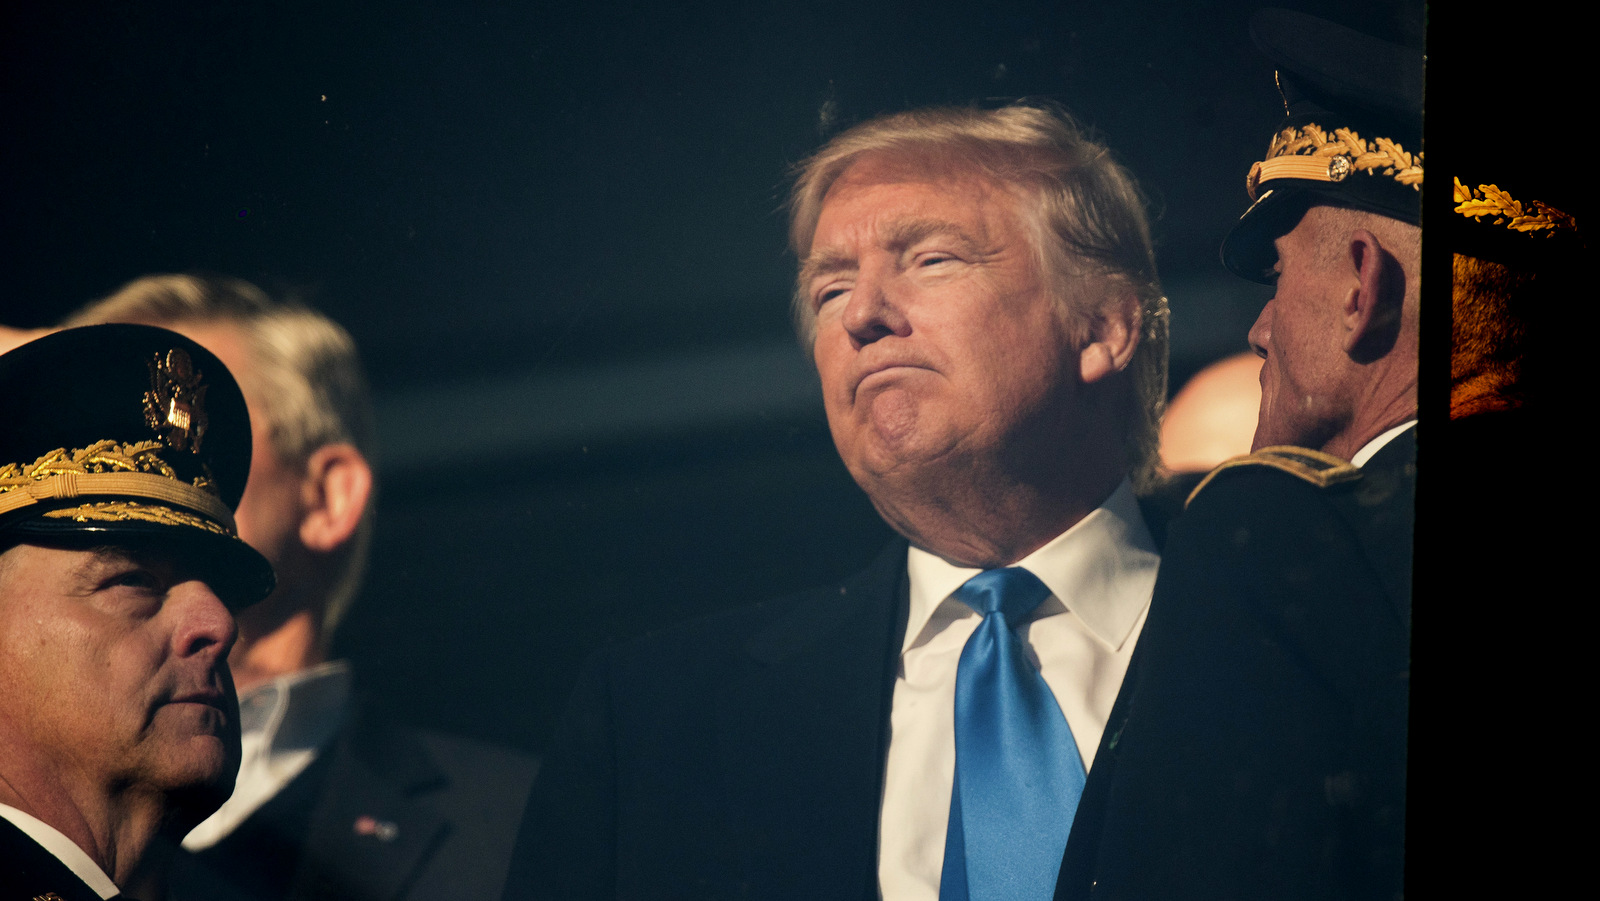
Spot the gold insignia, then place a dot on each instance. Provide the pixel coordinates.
(102, 456)
(175, 404)
(48, 896)
(1311, 153)
(107, 468)
(123, 511)
(1533, 217)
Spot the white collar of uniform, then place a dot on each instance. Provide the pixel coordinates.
(1372, 447)
(1090, 568)
(64, 850)
(298, 711)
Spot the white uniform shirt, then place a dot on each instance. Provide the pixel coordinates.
(1371, 448)
(286, 724)
(1100, 574)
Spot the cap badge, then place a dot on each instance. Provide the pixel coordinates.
(175, 404)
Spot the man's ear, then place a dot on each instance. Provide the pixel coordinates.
(1372, 306)
(1113, 335)
(337, 486)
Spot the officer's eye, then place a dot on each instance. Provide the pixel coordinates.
(137, 578)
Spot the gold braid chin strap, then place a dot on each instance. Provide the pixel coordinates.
(1311, 153)
(118, 485)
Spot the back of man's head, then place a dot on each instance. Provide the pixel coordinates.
(1516, 265)
(1489, 334)
(301, 375)
(1085, 210)
(1401, 241)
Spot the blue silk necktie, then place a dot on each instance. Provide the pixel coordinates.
(1018, 774)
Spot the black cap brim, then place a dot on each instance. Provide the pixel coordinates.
(237, 572)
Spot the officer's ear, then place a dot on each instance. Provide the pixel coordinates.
(1113, 334)
(1373, 304)
(335, 492)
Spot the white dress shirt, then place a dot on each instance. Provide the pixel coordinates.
(1100, 574)
(286, 724)
(1371, 448)
(63, 849)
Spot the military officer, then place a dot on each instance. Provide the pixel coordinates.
(123, 452)
(1258, 746)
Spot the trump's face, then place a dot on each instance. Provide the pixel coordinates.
(938, 340)
(114, 667)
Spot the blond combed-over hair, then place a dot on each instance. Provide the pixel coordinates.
(1084, 208)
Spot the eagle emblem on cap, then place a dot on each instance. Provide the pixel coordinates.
(175, 404)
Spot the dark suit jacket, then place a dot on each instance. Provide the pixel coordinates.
(1257, 748)
(736, 757)
(28, 871)
(385, 813)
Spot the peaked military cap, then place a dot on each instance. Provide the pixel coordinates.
(119, 434)
(1351, 136)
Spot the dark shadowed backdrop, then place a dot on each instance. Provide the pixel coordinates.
(555, 232)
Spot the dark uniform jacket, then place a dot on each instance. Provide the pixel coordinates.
(1257, 748)
(28, 872)
(384, 813)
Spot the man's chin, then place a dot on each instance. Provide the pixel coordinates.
(200, 788)
(205, 762)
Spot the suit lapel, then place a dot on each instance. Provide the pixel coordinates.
(373, 832)
(802, 735)
(1083, 843)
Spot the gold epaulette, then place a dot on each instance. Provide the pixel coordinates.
(1316, 467)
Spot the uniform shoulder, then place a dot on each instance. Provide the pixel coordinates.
(1297, 464)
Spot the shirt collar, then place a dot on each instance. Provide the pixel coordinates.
(1371, 448)
(1102, 569)
(63, 849)
(298, 711)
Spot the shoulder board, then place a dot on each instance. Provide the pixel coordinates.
(1316, 467)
